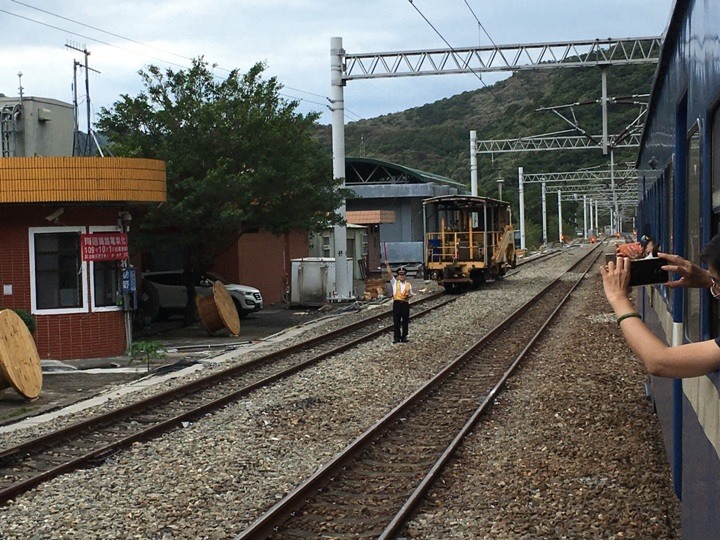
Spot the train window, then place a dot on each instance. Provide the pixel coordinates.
(692, 240)
(669, 210)
(715, 172)
(715, 161)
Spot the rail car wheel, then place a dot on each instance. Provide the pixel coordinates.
(456, 288)
(478, 278)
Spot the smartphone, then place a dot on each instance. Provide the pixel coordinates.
(648, 271)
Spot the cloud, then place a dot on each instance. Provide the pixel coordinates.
(293, 38)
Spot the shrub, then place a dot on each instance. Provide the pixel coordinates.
(146, 350)
(27, 318)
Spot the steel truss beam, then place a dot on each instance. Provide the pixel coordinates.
(589, 175)
(604, 200)
(513, 57)
(543, 144)
(593, 188)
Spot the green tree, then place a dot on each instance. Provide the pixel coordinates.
(238, 156)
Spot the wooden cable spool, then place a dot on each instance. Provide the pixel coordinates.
(217, 311)
(19, 359)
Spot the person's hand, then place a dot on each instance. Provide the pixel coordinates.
(616, 279)
(691, 275)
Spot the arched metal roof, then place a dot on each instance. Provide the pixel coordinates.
(376, 171)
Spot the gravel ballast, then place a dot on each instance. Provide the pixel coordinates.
(571, 450)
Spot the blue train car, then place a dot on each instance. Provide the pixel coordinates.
(679, 177)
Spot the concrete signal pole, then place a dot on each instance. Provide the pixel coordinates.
(343, 281)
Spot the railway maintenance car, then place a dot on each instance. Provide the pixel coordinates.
(468, 239)
(679, 184)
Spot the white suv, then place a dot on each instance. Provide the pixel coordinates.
(172, 294)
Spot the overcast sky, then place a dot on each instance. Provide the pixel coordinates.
(292, 37)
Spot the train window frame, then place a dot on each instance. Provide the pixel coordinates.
(715, 160)
(693, 178)
(669, 174)
(714, 311)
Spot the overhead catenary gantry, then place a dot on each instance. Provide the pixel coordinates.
(600, 184)
(579, 140)
(584, 175)
(515, 57)
(593, 196)
(345, 67)
(547, 142)
(576, 138)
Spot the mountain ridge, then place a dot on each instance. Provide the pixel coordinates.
(435, 137)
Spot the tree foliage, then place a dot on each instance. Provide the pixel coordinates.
(238, 157)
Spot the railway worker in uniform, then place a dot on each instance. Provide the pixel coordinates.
(687, 360)
(402, 292)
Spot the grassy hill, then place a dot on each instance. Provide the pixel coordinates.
(435, 137)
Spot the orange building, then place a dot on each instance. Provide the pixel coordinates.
(63, 247)
(262, 260)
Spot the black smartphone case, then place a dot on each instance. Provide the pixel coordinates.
(647, 271)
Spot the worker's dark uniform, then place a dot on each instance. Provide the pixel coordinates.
(401, 309)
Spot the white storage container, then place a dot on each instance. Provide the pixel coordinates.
(313, 280)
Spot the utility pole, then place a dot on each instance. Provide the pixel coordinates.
(473, 164)
(84, 50)
(343, 281)
(76, 136)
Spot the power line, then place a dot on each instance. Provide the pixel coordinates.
(354, 114)
(453, 50)
(480, 25)
(100, 30)
(305, 92)
(132, 41)
(89, 38)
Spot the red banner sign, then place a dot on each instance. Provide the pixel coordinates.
(111, 246)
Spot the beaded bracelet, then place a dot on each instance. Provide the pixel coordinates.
(621, 318)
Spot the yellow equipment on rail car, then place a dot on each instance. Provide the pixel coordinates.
(468, 240)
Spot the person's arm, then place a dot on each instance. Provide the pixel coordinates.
(690, 360)
(691, 275)
(389, 270)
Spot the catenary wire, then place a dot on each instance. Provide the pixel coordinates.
(100, 30)
(480, 25)
(452, 49)
(137, 43)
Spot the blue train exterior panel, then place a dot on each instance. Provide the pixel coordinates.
(680, 205)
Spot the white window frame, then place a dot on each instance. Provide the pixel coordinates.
(91, 271)
(32, 231)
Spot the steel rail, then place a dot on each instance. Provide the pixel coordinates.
(436, 470)
(25, 451)
(267, 523)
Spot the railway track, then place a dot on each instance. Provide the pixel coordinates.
(372, 487)
(89, 442)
